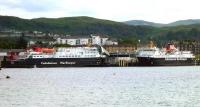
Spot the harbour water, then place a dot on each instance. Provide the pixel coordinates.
(101, 87)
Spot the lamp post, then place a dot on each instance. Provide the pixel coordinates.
(138, 46)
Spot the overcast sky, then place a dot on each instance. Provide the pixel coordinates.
(161, 11)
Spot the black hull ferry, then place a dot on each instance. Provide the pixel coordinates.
(62, 57)
(169, 56)
(52, 62)
(145, 61)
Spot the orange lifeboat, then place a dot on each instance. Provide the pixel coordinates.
(47, 50)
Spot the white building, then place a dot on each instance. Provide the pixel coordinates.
(111, 42)
(85, 40)
(74, 40)
(99, 39)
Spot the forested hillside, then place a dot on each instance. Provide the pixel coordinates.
(87, 25)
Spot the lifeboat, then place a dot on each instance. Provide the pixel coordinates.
(45, 50)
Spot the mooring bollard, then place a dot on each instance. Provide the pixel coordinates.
(7, 76)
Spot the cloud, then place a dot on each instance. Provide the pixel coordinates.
(163, 11)
(30, 5)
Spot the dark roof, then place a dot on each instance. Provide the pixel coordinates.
(41, 39)
(120, 45)
(81, 46)
(75, 37)
(12, 50)
(84, 36)
(113, 39)
(101, 35)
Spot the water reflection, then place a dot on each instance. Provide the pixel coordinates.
(75, 87)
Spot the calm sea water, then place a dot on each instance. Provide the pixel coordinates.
(101, 87)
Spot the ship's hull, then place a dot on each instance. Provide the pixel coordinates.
(149, 61)
(54, 62)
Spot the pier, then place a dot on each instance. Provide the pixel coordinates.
(121, 59)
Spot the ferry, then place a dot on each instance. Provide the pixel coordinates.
(169, 56)
(82, 56)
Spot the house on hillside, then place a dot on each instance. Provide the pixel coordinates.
(74, 40)
(194, 46)
(120, 48)
(40, 41)
(85, 40)
(111, 41)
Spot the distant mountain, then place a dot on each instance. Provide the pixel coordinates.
(176, 23)
(185, 22)
(143, 23)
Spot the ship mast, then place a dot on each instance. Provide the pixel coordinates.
(151, 44)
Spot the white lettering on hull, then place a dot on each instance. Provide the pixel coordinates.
(66, 63)
(54, 63)
(47, 63)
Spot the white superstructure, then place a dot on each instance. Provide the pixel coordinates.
(78, 52)
(71, 52)
(174, 54)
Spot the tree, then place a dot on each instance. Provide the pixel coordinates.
(22, 43)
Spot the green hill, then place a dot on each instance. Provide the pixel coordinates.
(176, 23)
(74, 26)
(185, 22)
(177, 33)
(143, 23)
(87, 25)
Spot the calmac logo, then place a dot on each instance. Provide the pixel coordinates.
(49, 63)
(70, 63)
